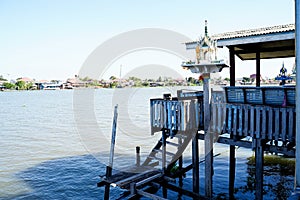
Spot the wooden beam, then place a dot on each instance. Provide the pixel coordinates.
(263, 50)
(149, 195)
(183, 191)
(270, 55)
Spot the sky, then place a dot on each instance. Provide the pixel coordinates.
(52, 39)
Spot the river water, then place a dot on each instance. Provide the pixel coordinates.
(55, 144)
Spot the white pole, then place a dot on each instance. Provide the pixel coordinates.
(297, 58)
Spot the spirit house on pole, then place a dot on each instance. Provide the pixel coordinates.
(206, 56)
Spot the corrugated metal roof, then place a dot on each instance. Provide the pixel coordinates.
(258, 31)
(253, 32)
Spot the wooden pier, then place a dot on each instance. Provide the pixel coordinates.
(180, 120)
(262, 119)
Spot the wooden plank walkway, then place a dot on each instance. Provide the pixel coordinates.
(125, 177)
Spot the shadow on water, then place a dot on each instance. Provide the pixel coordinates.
(77, 177)
(65, 178)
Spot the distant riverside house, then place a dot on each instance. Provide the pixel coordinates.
(26, 80)
(47, 85)
(75, 82)
(1, 82)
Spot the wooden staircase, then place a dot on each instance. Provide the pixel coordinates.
(166, 156)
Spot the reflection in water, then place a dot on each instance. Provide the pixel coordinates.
(278, 177)
(76, 178)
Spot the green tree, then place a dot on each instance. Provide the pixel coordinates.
(146, 84)
(159, 79)
(9, 85)
(28, 86)
(246, 79)
(113, 85)
(20, 85)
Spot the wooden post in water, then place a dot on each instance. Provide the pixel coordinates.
(195, 158)
(232, 162)
(232, 159)
(208, 138)
(164, 138)
(180, 165)
(259, 167)
(180, 182)
(138, 156)
(112, 150)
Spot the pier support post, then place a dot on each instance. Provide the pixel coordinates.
(164, 138)
(138, 156)
(107, 186)
(195, 157)
(208, 137)
(232, 163)
(259, 167)
(232, 160)
(258, 68)
(180, 164)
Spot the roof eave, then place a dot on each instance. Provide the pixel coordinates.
(256, 39)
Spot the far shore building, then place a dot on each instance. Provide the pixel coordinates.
(26, 80)
(75, 82)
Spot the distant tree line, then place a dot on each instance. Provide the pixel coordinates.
(19, 85)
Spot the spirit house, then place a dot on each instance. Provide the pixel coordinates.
(206, 56)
